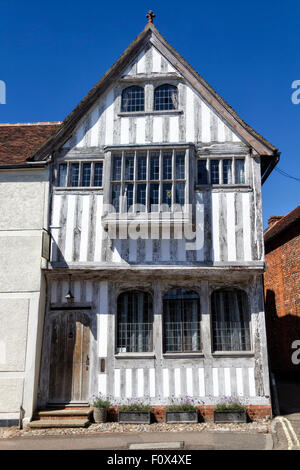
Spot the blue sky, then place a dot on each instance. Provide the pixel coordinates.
(52, 53)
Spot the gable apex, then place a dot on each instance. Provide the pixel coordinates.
(150, 37)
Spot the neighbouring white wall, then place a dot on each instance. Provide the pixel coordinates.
(23, 215)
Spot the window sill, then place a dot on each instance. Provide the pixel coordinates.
(183, 355)
(228, 187)
(135, 355)
(144, 218)
(233, 354)
(78, 188)
(144, 113)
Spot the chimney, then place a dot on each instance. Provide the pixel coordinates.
(273, 220)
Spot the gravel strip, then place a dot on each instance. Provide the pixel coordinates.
(262, 426)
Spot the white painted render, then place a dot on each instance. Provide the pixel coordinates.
(23, 209)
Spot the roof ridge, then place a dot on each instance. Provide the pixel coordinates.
(8, 124)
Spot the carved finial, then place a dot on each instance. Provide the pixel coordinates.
(150, 15)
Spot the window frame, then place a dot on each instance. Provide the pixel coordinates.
(157, 89)
(68, 186)
(221, 159)
(149, 152)
(165, 352)
(231, 353)
(130, 354)
(141, 87)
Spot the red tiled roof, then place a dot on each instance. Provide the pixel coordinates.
(284, 223)
(19, 141)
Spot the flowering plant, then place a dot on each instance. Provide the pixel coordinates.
(100, 401)
(134, 405)
(230, 404)
(182, 404)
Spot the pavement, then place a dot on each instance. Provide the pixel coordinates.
(163, 440)
(286, 432)
(285, 435)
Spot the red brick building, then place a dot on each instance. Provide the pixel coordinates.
(282, 291)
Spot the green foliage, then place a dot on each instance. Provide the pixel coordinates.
(181, 407)
(230, 405)
(134, 406)
(100, 401)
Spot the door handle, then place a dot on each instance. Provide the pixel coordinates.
(87, 362)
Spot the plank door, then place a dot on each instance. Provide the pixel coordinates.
(69, 357)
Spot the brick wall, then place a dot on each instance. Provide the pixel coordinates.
(282, 297)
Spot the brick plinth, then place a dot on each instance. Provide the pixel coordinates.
(206, 413)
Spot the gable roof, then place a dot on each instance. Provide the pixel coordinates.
(151, 34)
(283, 224)
(19, 141)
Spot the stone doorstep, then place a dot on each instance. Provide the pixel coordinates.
(63, 414)
(59, 423)
(68, 413)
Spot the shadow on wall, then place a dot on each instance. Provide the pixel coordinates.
(283, 337)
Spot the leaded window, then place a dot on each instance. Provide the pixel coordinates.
(132, 99)
(80, 174)
(149, 181)
(134, 322)
(181, 321)
(230, 320)
(221, 171)
(165, 98)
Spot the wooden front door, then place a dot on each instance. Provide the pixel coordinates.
(69, 357)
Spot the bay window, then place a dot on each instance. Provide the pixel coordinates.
(149, 181)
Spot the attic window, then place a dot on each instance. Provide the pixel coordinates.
(165, 98)
(132, 99)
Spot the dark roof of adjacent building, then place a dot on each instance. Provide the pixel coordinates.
(19, 141)
(283, 223)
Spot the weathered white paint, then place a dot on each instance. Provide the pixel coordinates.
(239, 381)
(166, 382)
(84, 228)
(117, 383)
(140, 130)
(246, 227)
(103, 319)
(125, 130)
(190, 116)
(109, 114)
(174, 129)
(102, 383)
(157, 129)
(55, 224)
(252, 391)
(215, 375)
(70, 227)
(189, 381)
(141, 63)
(199, 227)
(201, 382)
(140, 382)
(215, 227)
(177, 382)
(221, 131)
(206, 135)
(2, 352)
(99, 229)
(231, 243)
(227, 381)
(152, 382)
(128, 383)
(156, 60)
